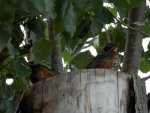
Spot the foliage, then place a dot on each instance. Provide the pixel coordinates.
(76, 21)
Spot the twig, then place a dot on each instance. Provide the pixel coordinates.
(133, 28)
(146, 78)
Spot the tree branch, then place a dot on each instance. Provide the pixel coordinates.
(55, 57)
(146, 78)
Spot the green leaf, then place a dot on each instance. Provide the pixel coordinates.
(7, 12)
(5, 34)
(12, 49)
(41, 50)
(118, 36)
(83, 27)
(37, 25)
(10, 106)
(50, 8)
(22, 70)
(105, 16)
(82, 59)
(67, 57)
(18, 85)
(68, 18)
(102, 38)
(144, 66)
(94, 7)
(95, 28)
(126, 3)
(3, 105)
(39, 4)
(7, 60)
(17, 36)
(147, 28)
(8, 91)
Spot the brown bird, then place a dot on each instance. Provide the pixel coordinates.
(108, 59)
(40, 72)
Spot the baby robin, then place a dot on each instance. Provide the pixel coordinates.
(108, 59)
(40, 72)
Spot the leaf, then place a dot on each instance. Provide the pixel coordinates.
(17, 36)
(82, 59)
(50, 8)
(102, 38)
(5, 34)
(10, 106)
(12, 49)
(18, 85)
(147, 55)
(7, 60)
(37, 25)
(94, 7)
(95, 28)
(3, 105)
(126, 3)
(118, 36)
(8, 11)
(105, 16)
(147, 28)
(41, 50)
(67, 57)
(68, 18)
(22, 70)
(144, 66)
(39, 4)
(8, 91)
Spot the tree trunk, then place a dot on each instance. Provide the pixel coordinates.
(133, 55)
(84, 91)
(55, 57)
(134, 40)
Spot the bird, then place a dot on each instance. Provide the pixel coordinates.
(40, 72)
(108, 59)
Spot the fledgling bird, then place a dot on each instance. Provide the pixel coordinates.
(40, 72)
(108, 59)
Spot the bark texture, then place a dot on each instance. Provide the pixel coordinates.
(56, 56)
(85, 91)
(133, 55)
(140, 94)
(134, 40)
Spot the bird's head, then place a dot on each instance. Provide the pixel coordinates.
(111, 47)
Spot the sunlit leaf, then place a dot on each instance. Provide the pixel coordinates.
(67, 57)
